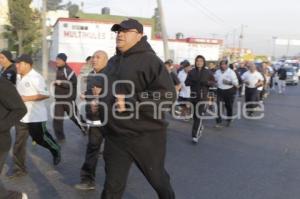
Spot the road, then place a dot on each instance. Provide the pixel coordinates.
(252, 159)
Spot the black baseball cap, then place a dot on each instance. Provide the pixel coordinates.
(7, 54)
(25, 58)
(128, 24)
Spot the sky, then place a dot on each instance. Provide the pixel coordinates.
(262, 19)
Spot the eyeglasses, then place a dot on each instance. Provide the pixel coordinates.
(125, 31)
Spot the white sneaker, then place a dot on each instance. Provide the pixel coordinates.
(195, 140)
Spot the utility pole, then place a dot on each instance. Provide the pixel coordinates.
(288, 47)
(44, 45)
(163, 30)
(274, 47)
(233, 38)
(241, 37)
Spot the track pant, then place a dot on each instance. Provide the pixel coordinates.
(88, 169)
(5, 142)
(281, 86)
(197, 119)
(147, 152)
(39, 134)
(251, 95)
(225, 96)
(59, 112)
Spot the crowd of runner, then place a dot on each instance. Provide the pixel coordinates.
(194, 90)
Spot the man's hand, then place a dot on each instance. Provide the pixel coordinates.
(82, 96)
(247, 83)
(227, 82)
(120, 101)
(258, 84)
(57, 82)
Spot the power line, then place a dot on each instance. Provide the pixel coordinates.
(204, 12)
(209, 11)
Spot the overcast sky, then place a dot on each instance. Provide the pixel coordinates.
(263, 19)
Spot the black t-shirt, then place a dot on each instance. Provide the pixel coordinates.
(282, 74)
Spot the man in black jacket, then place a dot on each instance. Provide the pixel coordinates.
(65, 96)
(12, 109)
(141, 138)
(281, 80)
(8, 70)
(93, 119)
(199, 79)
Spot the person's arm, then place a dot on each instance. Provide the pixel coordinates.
(234, 79)
(260, 81)
(188, 81)
(177, 82)
(34, 98)
(13, 103)
(158, 82)
(71, 79)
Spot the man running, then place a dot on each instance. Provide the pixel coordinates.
(33, 90)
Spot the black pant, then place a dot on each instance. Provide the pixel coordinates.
(147, 152)
(198, 112)
(251, 95)
(225, 96)
(5, 142)
(59, 112)
(88, 169)
(39, 134)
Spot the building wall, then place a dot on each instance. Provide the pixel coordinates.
(3, 21)
(80, 39)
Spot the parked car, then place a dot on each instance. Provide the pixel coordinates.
(291, 76)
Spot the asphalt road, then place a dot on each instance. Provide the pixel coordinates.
(252, 159)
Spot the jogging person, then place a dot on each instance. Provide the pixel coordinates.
(199, 79)
(8, 70)
(227, 82)
(141, 139)
(33, 90)
(95, 134)
(252, 80)
(65, 96)
(12, 109)
(185, 92)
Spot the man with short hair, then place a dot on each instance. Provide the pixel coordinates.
(173, 75)
(12, 109)
(199, 79)
(33, 90)
(227, 82)
(142, 138)
(252, 80)
(281, 80)
(65, 98)
(93, 119)
(185, 91)
(8, 70)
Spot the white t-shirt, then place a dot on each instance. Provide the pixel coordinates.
(185, 90)
(252, 78)
(33, 84)
(228, 75)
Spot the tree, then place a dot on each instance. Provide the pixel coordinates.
(72, 8)
(23, 33)
(54, 4)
